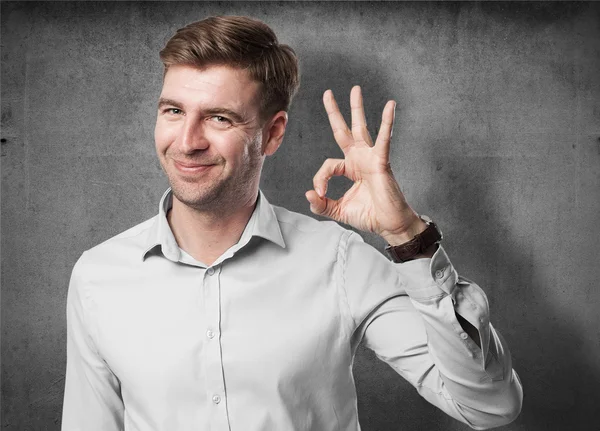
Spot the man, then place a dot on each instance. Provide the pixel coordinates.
(224, 312)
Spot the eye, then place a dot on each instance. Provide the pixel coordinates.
(174, 111)
(220, 119)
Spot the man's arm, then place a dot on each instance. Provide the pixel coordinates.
(439, 337)
(407, 314)
(92, 398)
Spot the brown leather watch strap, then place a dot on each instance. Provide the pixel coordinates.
(421, 242)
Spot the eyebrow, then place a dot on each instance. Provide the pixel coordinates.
(212, 111)
(227, 113)
(163, 102)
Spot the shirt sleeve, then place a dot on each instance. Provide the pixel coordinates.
(406, 314)
(92, 399)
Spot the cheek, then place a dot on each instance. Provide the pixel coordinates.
(235, 146)
(164, 135)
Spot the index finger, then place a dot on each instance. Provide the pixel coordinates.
(338, 125)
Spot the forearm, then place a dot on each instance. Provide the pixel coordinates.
(420, 335)
(475, 366)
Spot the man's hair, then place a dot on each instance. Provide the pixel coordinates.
(242, 43)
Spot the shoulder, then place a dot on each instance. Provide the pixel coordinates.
(315, 234)
(302, 223)
(125, 248)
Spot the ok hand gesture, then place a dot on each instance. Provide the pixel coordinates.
(374, 203)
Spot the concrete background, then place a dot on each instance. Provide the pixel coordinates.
(497, 138)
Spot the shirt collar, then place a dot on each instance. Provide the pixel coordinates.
(263, 223)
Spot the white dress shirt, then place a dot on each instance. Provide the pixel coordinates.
(264, 338)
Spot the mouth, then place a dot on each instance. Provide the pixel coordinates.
(192, 168)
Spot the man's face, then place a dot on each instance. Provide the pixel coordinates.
(209, 136)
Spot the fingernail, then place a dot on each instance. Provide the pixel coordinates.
(319, 191)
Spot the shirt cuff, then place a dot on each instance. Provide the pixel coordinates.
(428, 278)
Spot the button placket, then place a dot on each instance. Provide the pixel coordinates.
(213, 365)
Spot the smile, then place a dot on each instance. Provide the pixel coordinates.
(191, 168)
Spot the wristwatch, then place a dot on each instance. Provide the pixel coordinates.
(421, 242)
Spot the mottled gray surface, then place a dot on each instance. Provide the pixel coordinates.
(497, 138)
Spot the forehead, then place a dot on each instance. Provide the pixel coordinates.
(214, 86)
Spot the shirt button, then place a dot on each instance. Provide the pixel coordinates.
(439, 273)
(210, 334)
(464, 335)
(210, 271)
(216, 399)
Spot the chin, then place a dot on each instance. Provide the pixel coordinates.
(216, 194)
(197, 197)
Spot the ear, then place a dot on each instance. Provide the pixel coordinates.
(273, 133)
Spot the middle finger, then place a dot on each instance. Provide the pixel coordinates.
(359, 122)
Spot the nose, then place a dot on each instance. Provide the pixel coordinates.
(193, 137)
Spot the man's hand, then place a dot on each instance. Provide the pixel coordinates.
(374, 203)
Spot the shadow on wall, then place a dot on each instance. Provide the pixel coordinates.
(551, 352)
(309, 139)
(385, 400)
(559, 381)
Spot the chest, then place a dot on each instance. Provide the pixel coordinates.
(171, 325)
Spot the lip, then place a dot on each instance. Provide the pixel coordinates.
(191, 168)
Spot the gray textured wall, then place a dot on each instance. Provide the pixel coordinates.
(497, 138)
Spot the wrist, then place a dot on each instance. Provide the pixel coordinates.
(422, 244)
(399, 238)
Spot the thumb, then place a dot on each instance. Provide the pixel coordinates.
(320, 205)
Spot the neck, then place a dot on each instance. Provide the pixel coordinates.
(205, 235)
